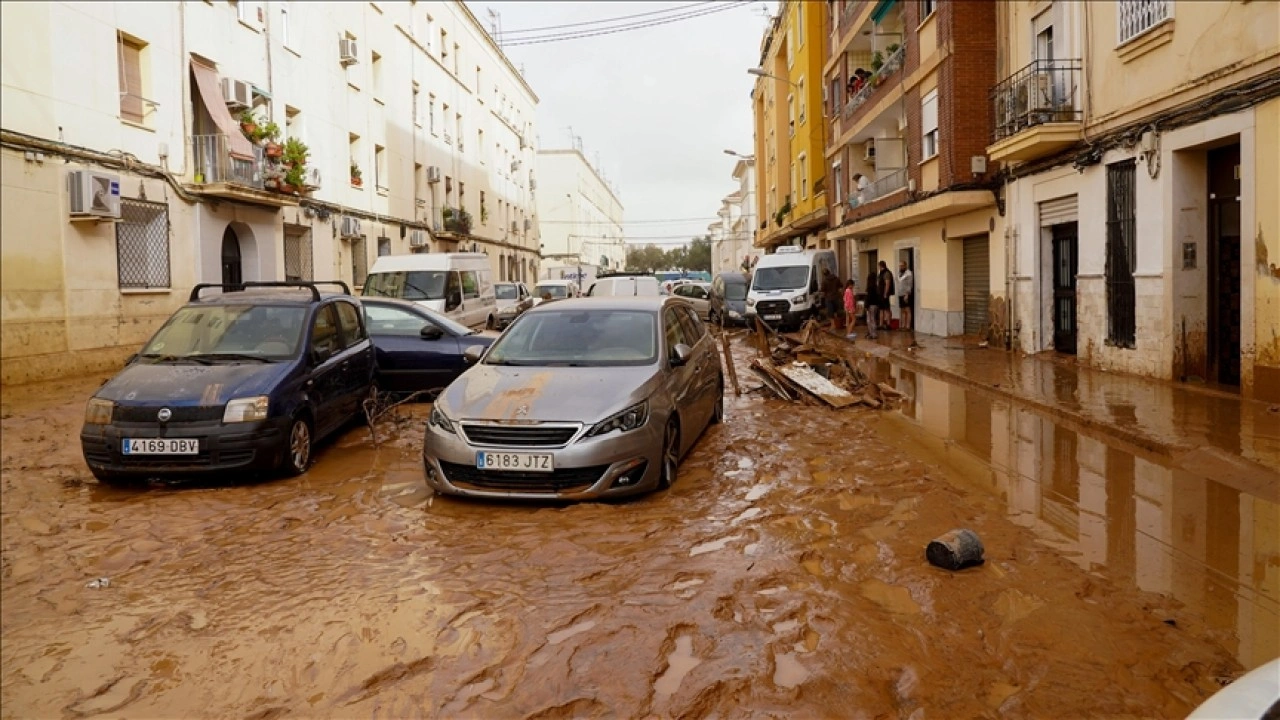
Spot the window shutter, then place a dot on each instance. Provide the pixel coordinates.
(130, 81)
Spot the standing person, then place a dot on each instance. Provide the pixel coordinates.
(884, 291)
(906, 289)
(873, 304)
(850, 308)
(831, 297)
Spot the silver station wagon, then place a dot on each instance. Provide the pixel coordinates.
(579, 399)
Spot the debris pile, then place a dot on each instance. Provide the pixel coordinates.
(815, 368)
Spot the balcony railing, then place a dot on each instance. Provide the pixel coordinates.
(1042, 92)
(215, 164)
(892, 64)
(891, 181)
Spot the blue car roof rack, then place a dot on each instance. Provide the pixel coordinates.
(236, 287)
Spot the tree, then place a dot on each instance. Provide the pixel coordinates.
(645, 259)
(698, 255)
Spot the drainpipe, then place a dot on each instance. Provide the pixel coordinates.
(185, 63)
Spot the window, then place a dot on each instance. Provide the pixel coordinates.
(926, 8)
(242, 11)
(375, 75)
(129, 55)
(484, 210)
(384, 246)
(324, 332)
(417, 183)
(478, 97)
(800, 22)
(803, 102)
(929, 125)
(444, 120)
(298, 262)
(444, 45)
(457, 53)
(470, 285)
(394, 321)
(674, 332)
(462, 195)
(292, 122)
(349, 323)
(142, 245)
(480, 145)
(353, 147)
(794, 182)
(448, 191)
(791, 114)
(694, 330)
(458, 130)
(1139, 16)
(835, 171)
(284, 26)
(417, 106)
(1122, 253)
(431, 31)
(431, 112)
(804, 176)
(380, 167)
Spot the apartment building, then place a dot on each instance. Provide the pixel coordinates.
(907, 90)
(790, 127)
(732, 233)
(1139, 141)
(125, 154)
(581, 217)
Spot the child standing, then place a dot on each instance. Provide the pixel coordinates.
(850, 308)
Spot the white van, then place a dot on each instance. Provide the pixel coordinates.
(632, 285)
(459, 285)
(785, 286)
(555, 290)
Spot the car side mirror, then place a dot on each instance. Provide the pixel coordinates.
(681, 354)
(431, 332)
(320, 354)
(472, 354)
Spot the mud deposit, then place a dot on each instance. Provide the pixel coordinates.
(783, 575)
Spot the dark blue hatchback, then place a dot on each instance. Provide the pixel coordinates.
(246, 379)
(417, 348)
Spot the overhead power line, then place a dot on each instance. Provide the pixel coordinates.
(628, 222)
(605, 21)
(627, 28)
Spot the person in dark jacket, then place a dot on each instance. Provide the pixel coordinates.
(884, 291)
(872, 305)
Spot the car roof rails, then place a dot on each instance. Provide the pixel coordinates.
(236, 287)
(623, 274)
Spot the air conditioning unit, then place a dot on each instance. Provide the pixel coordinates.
(350, 227)
(528, 225)
(515, 165)
(417, 238)
(237, 94)
(869, 151)
(348, 52)
(313, 177)
(94, 195)
(433, 173)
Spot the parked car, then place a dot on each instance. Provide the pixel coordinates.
(624, 284)
(234, 381)
(513, 298)
(697, 294)
(785, 286)
(458, 285)
(416, 348)
(555, 290)
(589, 398)
(728, 299)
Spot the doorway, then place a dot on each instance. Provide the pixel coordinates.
(1224, 264)
(977, 284)
(232, 269)
(1066, 262)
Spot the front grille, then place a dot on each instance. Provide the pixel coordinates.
(519, 435)
(772, 307)
(181, 413)
(566, 480)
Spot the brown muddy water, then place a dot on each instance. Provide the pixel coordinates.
(783, 575)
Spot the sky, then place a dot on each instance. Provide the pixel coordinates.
(654, 108)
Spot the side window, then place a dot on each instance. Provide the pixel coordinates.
(470, 285)
(452, 290)
(693, 327)
(349, 323)
(485, 282)
(392, 321)
(324, 331)
(697, 292)
(674, 331)
(813, 278)
(682, 291)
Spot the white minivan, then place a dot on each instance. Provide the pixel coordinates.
(785, 286)
(459, 285)
(613, 285)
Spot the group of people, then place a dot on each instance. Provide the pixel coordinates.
(882, 285)
(858, 80)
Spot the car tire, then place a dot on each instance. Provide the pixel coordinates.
(717, 413)
(298, 447)
(670, 455)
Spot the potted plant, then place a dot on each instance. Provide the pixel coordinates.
(893, 48)
(295, 180)
(248, 124)
(295, 152)
(356, 175)
(268, 135)
(272, 176)
(877, 61)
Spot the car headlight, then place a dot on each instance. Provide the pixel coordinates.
(751, 302)
(98, 411)
(439, 420)
(629, 419)
(798, 300)
(246, 409)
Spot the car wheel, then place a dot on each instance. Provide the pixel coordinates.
(670, 455)
(717, 413)
(298, 450)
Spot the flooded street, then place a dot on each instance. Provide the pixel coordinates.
(783, 574)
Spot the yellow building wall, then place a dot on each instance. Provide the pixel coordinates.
(1266, 239)
(806, 69)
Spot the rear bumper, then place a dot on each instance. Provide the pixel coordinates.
(251, 446)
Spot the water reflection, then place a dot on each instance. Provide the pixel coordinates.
(1210, 545)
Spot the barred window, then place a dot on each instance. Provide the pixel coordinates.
(142, 244)
(359, 262)
(1122, 253)
(1139, 16)
(297, 256)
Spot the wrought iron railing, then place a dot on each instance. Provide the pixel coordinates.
(1139, 16)
(891, 181)
(1044, 91)
(892, 64)
(215, 164)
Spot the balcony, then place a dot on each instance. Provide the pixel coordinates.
(218, 173)
(892, 64)
(890, 181)
(1037, 111)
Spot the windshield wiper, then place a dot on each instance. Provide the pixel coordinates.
(159, 358)
(209, 357)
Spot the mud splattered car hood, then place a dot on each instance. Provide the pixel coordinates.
(144, 383)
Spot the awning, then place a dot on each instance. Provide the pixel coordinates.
(207, 81)
(881, 10)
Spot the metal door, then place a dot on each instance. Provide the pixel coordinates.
(977, 284)
(232, 272)
(1066, 261)
(1224, 265)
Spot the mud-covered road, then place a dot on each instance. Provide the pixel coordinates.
(783, 575)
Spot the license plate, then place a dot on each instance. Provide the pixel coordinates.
(515, 461)
(772, 317)
(161, 446)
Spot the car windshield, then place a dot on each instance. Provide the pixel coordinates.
(555, 291)
(410, 285)
(505, 292)
(235, 332)
(735, 291)
(579, 338)
(780, 278)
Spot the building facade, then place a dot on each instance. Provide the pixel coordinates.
(1141, 144)
(124, 151)
(581, 218)
(790, 127)
(907, 87)
(732, 233)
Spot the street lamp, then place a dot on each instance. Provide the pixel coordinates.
(739, 155)
(759, 72)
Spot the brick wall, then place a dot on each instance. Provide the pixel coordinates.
(964, 85)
